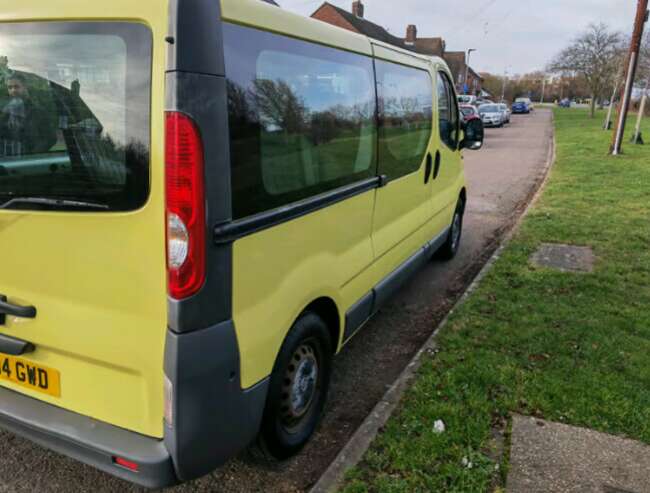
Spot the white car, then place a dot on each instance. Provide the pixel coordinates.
(491, 115)
(505, 109)
(467, 99)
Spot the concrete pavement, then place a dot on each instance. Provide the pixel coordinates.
(549, 457)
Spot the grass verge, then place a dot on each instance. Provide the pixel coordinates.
(573, 348)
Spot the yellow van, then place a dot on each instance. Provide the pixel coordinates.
(200, 203)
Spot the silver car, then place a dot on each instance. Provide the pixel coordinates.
(505, 109)
(491, 115)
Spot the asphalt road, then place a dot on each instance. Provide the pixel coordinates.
(502, 178)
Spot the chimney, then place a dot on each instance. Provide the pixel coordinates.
(357, 8)
(411, 34)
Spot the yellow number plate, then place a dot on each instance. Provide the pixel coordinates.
(30, 375)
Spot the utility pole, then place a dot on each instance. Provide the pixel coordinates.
(465, 85)
(505, 81)
(619, 76)
(541, 101)
(638, 138)
(633, 61)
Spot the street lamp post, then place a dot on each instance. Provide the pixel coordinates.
(505, 82)
(465, 86)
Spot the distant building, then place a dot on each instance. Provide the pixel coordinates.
(356, 22)
(457, 61)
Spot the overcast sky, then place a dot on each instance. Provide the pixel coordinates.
(517, 35)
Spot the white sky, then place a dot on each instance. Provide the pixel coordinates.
(515, 35)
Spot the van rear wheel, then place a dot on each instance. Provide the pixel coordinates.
(298, 388)
(451, 245)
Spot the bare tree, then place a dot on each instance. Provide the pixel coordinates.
(594, 55)
(279, 105)
(643, 73)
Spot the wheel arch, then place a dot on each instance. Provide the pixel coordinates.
(463, 197)
(326, 308)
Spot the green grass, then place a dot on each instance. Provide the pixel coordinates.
(572, 348)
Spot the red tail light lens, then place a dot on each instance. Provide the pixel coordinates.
(131, 466)
(185, 199)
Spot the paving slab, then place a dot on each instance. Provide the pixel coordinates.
(565, 258)
(549, 457)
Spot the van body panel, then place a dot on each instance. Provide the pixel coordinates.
(101, 304)
(280, 271)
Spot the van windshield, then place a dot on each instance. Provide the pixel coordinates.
(74, 116)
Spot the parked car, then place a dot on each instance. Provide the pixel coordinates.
(469, 112)
(531, 107)
(506, 112)
(491, 115)
(519, 107)
(467, 99)
(565, 103)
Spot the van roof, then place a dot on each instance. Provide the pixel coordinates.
(258, 14)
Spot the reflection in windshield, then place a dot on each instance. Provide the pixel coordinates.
(66, 113)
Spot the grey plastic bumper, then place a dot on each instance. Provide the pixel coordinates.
(214, 418)
(87, 440)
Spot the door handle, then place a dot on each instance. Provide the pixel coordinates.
(15, 310)
(436, 169)
(15, 347)
(427, 169)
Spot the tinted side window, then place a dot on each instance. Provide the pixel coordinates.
(447, 112)
(301, 118)
(405, 114)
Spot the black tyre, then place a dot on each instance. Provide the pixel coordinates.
(450, 248)
(298, 388)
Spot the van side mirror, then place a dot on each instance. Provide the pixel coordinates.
(474, 133)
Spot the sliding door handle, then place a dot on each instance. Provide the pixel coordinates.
(436, 169)
(428, 168)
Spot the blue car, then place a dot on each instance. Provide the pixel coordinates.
(520, 107)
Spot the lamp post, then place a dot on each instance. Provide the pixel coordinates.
(465, 85)
(505, 82)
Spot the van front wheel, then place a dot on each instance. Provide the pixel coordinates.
(298, 388)
(450, 248)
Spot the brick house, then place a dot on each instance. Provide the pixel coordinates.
(356, 22)
(457, 61)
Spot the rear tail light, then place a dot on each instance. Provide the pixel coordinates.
(185, 206)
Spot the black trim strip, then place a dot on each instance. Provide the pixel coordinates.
(371, 302)
(227, 233)
(358, 314)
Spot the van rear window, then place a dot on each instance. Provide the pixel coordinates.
(74, 116)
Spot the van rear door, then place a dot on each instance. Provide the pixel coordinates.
(81, 239)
